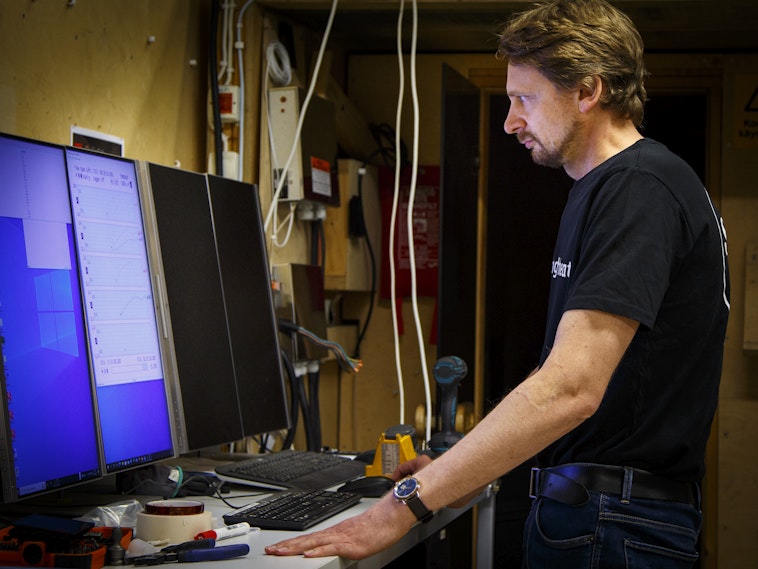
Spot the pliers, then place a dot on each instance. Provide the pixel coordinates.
(189, 551)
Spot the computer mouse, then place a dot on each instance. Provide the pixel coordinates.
(368, 486)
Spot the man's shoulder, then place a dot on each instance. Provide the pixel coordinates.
(649, 164)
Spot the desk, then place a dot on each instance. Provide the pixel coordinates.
(257, 557)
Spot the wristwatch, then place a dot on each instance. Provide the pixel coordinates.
(407, 491)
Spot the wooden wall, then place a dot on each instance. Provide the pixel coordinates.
(136, 70)
(738, 409)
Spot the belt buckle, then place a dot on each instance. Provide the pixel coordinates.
(534, 482)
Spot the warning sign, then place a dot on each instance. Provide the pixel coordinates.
(746, 111)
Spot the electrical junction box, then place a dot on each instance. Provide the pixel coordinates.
(312, 171)
(228, 103)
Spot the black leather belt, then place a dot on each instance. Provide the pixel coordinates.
(571, 484)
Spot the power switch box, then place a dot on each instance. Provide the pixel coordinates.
(312, 170)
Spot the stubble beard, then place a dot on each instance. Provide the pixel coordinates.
(559, 153)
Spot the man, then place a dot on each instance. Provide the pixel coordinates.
(619, 409)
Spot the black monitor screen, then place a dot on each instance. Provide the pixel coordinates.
(200, 334)
(48, 436)
(249, 304)
(120, 310)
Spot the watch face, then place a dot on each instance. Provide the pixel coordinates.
(406, 488)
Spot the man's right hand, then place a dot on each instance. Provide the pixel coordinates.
(410, 467)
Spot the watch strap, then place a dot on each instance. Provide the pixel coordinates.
(422, 513)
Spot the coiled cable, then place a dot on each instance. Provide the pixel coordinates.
(278, 64)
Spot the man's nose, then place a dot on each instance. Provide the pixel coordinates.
(513, 123)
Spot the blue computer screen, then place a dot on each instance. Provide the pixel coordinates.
(119, 309)
(49, 434)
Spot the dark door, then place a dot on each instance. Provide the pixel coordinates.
(459, 173)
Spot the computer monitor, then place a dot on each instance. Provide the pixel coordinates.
(208, 235)
(48, 432)
(120, 310)
(246, 281)
(206, 402)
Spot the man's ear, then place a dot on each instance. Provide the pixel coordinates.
(590, 93)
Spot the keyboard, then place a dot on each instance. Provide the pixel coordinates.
(301, 469)
(295, 510)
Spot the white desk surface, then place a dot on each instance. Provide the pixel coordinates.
(257, 541)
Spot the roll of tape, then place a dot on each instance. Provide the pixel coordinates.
(174, 507)
(172, 527)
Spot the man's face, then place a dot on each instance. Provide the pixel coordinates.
(543, 118)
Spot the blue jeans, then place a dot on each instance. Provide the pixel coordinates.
(606, 534)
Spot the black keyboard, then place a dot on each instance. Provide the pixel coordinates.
(305, 470)
(293, 509)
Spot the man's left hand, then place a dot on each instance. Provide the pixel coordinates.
(356, 538)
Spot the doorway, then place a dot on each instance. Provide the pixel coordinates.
(523, 204)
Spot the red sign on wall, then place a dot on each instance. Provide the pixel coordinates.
(426, 232)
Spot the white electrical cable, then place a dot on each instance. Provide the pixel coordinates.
(230, 44)
(303, 111)
(240, 46)
(221, 40)
(411, 245)
(276, 53)
(224, 41)
(411, 198)
(290, 222)
(225, 68)
(393, 217)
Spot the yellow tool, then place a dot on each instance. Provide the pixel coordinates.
(395, 447)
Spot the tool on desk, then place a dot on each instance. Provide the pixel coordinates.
(49, 541)
(396, 445)
(448, 372)
(115, 553)
(192, 551)
(194, 544)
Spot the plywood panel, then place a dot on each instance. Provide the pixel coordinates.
(371, 399)
(750, 338)
(348, 262)
(135, 69)
(738, 484)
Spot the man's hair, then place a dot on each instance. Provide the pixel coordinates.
(572, 41)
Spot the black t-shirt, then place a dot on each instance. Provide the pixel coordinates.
(640, 238)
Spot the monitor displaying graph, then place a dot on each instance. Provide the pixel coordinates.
(120, 310)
